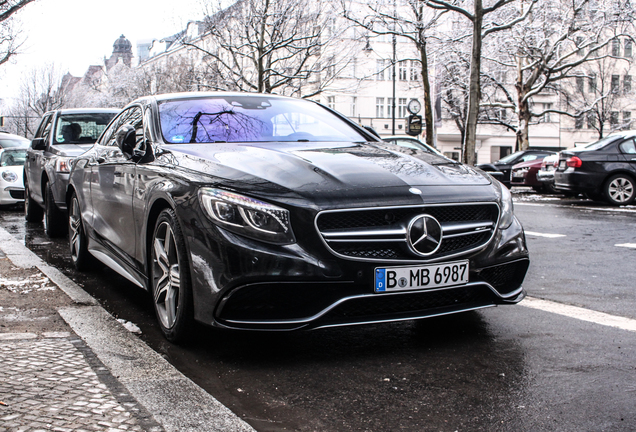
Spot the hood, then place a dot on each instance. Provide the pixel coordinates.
(311, 167)
(70, 149)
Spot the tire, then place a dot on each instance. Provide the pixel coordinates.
(620, 189)
(54, 218)
(78, 243)
(32, 211)
(170, 278)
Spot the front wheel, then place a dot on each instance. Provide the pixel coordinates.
(170, 278)
(80, 256)
(619, 189)
(32, 211)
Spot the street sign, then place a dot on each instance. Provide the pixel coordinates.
(414, 125)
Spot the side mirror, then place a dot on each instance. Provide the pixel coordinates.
(371, 130)
(126, 140)
(38, 144)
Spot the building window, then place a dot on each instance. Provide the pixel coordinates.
(580, 84)
(627, 84)
(615, 83)
(379, 107)
(591, 120)
(354, 67)
(354, 103)
(331, 68)
(414, 67)
(578, 122)
(628, 48)
(379, 70)
(402, 112)
(627, 119)
(389, 107)
(616, 47)
(592, 83)
(331, 102)
(402, 70)
(546, 116)
(614, 119)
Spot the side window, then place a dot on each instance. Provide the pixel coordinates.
(628, 147)
(45, 128)
(133, 117)
(529, 157)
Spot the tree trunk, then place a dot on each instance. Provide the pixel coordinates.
(428, 105)
(474, 95)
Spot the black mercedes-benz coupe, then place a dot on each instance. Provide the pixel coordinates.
(253, 211)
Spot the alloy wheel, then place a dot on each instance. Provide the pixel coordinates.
(75, 227)
(621, 190)
(166, 275)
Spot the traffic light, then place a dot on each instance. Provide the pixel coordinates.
(1, 121)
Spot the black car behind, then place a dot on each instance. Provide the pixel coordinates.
(604, 170)
(262, 212)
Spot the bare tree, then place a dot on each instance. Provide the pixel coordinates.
(268, 46)
(546, 54)
(413, 22)
(601, 106)
(10, 40)
(500, 15)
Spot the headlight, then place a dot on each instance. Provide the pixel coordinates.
(63, 164)
(247, 216)
(505, 200)
(9, 176)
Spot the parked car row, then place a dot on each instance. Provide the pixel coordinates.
(264, 212)
(603, 170)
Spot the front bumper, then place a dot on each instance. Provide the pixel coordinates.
(244, 284)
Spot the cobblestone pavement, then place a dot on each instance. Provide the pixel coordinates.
(49, 379)
(51, 382)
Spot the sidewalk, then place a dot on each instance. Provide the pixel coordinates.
(67, 365)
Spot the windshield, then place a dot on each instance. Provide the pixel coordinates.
(250, 119)
(81, 128)
(508, 158)
(14, 142)
(12, 157)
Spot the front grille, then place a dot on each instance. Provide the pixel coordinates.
(381, 234)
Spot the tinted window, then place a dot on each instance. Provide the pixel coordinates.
(80, 128)
(628, 147)
(250, 119)
(13, 157)
(599, 144)
(133, 117)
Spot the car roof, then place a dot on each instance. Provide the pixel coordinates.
(195, 95)
(7, 135)
(85, 110)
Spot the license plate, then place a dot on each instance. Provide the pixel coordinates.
(421, 277)
(562, 164)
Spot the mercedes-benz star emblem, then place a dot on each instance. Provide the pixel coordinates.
(424, 235)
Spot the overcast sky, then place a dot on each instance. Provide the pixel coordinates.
(77, 33)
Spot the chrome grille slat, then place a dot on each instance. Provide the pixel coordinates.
(380, 234)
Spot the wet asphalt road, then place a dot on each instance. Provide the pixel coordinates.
(506, 368)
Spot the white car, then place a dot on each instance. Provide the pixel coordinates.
(11, 170)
